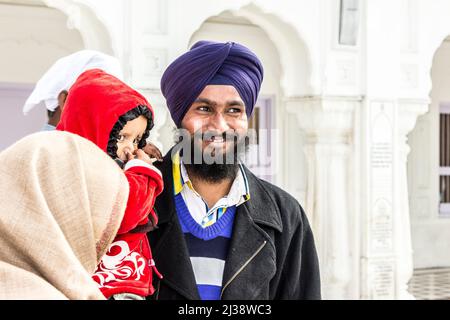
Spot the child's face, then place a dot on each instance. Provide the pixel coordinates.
(130, 136)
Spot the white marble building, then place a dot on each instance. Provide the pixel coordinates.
(353, 97)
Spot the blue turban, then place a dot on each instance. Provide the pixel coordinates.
(208, 63)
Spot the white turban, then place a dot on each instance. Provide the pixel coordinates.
(63, 73)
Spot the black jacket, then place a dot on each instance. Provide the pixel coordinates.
(272, 253)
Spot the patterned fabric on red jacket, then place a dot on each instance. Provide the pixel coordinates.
(127, 266)
(93, 106)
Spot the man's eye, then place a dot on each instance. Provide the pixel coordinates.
(203, 108)
(136, 141)
(234, 110)
(121, 138)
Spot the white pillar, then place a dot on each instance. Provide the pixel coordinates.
(409, 110)
(378, 204)
(146, 56)
(386, 255)
(328, 124)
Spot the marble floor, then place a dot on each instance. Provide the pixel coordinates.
(431, 284)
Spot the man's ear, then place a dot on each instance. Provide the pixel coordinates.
(62, 97)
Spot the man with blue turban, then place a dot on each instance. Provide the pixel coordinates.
(224, 233)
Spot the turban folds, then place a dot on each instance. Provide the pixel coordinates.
(208, 63)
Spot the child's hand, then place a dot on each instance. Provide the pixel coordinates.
(141, 155)
(153, 151)
(129, 155)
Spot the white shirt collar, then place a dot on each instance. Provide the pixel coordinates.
(239, 192)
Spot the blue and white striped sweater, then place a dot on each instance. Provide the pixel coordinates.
(208, 248)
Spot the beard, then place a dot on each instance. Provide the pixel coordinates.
(211, 164)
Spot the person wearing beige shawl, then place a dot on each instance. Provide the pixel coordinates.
(61, 203)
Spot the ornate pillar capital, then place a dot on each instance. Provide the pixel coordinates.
(410, 110)
(324, 118)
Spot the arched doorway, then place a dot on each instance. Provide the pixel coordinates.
(429, 174)
(32, 37)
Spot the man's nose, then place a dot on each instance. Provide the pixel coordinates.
(218, 123)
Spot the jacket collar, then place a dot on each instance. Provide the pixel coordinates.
(262, 207)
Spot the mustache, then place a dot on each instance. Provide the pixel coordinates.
(211, 135)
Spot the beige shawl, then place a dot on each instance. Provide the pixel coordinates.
(61, 203)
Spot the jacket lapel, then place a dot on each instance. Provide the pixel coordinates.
(251, 261)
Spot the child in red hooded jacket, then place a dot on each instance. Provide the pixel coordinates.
(118, 119)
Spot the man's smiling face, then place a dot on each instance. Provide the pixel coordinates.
(217, 112)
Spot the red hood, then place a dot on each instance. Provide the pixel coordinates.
(95, 103)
